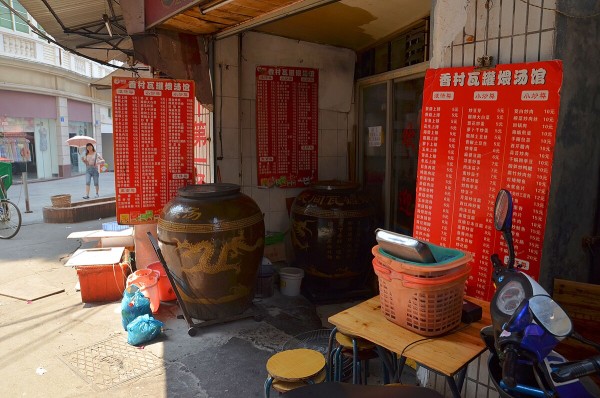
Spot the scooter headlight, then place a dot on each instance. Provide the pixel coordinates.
(510, 296)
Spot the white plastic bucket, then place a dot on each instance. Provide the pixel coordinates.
(290, 279)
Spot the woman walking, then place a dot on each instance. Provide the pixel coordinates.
(92, 159)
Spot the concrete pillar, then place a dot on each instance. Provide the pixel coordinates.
(62, 134)
(144, 252)
(97, 126)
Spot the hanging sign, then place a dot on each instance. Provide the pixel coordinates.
(484, 130)
(153, 125)
(287, 123)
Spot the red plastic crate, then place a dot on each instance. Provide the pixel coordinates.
(101, 283)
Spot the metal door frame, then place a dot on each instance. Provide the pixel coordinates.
(410, 72)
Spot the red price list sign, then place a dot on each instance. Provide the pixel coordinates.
(484, 130)
(153, 125)
(287, 125)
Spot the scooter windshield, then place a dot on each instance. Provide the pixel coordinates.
(550, 316)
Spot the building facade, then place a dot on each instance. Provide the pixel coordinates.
(46, 97)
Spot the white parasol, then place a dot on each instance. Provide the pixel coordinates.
(80, 141)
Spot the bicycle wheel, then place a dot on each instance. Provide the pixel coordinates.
(10, 219)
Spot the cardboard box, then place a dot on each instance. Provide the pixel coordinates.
(275, 246)
(275, 252)
(107, 238)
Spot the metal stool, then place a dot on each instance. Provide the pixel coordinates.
(360, 351)
(294, 368)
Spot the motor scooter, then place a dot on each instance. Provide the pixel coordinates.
(527, 324)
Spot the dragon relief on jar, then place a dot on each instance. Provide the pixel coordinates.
(193, 214)
(204, 251)
(302, 234)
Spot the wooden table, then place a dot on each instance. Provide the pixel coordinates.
(448, 355)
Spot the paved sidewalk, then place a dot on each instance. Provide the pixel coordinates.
(58, 346)
(41, 191)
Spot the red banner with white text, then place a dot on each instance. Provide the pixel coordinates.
(484, 130)
(153, 127)
(287, 126)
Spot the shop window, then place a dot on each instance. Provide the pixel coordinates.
(407, 48)
(20, 25)
(42, 33)
(13, 22)
(5, 17)
(382, 58)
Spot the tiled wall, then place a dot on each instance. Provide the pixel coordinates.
(235, 113)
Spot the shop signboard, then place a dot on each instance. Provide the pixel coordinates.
(153, 126)
(484, 130)
(202, 153)
(287, 123)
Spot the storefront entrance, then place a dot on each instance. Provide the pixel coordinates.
(390, 122)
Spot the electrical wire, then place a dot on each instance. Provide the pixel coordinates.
(398, 375)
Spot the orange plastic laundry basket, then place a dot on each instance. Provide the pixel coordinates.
(426, 270)
(427, 306)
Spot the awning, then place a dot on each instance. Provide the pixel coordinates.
(106, 82)
(101, 29)
(93, 28)
(173, 36)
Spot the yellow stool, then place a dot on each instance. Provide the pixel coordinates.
(294, 368)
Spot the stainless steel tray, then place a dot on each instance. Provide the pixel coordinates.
(404, 247)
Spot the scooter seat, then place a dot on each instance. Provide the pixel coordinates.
(345, 390)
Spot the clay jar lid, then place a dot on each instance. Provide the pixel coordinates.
(335, 185)
(208, 190)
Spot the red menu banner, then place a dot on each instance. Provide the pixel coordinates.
(484, 130)
(287, 125)
(202, 169)
(153, 125)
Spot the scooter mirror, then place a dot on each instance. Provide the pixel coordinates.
(550, 316)
(503, 211)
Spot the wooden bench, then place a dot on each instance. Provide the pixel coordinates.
(92, 209)
(580, 301)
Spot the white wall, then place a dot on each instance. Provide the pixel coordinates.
(515, 32)
(235, 89)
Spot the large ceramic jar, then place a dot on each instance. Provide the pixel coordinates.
(212, 238)
(332, 234)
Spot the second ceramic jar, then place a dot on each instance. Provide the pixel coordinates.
(332, 234)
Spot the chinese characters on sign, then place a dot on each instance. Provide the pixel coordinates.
(153, 126)
(484, 130)
(286, 125)
(202, 169)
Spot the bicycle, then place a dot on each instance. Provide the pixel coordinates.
(10, 216)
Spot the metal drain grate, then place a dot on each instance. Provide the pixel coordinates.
(110, 362)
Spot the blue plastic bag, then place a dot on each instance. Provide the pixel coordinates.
(142, 329)
(134, 304)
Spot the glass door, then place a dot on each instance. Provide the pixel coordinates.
(390, 121)
(374, 117)
(408, 98)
